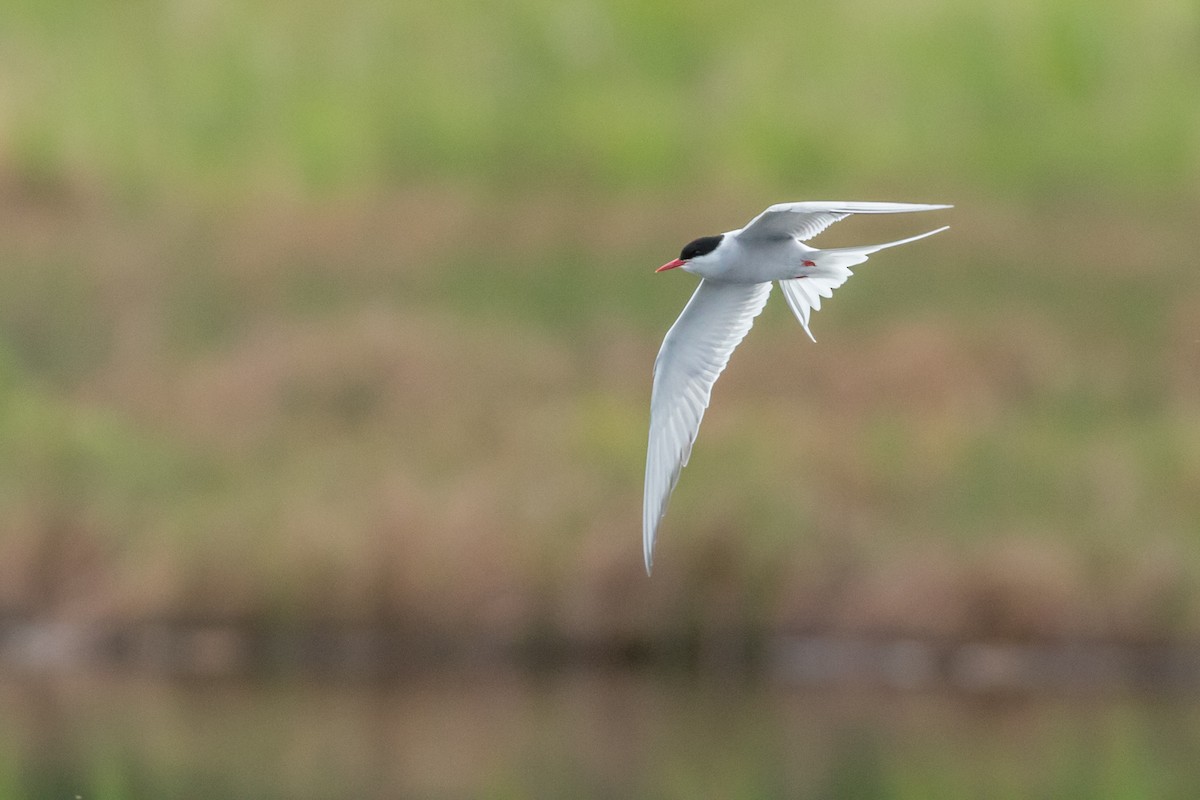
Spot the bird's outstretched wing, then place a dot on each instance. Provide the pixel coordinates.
(805, 220)
(693, 354)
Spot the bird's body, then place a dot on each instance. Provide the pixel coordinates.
(769, 260)
(738, 269)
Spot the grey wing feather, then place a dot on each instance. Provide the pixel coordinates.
(692, 356)
(805, 220)
(803, 295)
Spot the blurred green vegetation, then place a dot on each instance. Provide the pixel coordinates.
(1020, 101)
(321, 311)
(586, 736)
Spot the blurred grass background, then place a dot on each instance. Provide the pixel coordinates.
(586, 735)
(343, 313)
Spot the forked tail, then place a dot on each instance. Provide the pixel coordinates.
(839, 258)
(828, 270)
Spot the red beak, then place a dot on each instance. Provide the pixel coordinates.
(679, 262)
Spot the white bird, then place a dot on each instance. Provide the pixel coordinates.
(737, 269)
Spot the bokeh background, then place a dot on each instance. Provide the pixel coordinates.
(326, 333)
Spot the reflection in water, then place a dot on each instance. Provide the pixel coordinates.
(580, 734)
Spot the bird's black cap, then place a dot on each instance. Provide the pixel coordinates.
(700, 247)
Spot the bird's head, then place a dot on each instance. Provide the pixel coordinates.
(695, 251)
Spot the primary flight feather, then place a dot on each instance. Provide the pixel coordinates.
(737, 270)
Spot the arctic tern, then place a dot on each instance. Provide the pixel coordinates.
(737, 269)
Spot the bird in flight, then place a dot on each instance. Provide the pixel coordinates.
(737, 269)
